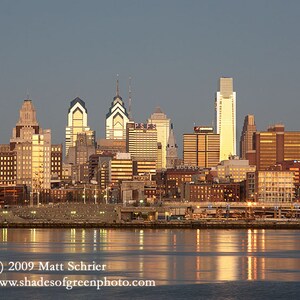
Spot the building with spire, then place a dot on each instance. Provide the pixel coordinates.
(225, 108)
(32, 146)
(172, 153)
(129, 101)
(116, 118)
(10, 154)
(30, 161)
(27, 124)
(77, 122)
(163, 129)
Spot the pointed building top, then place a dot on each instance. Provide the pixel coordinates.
(117, 97)
(117, 101)
(158, 114)
(74, 101)
(172, 154)
(27, 114)
(158, 110)
(171, 140)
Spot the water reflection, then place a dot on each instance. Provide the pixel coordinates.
(33, 235)
(227, 261)
(167, 256)
(4, 235)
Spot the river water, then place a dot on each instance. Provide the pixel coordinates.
(184, 264)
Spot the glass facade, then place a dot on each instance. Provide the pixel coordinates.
(275, 186)
(226, 118)
(201, 149)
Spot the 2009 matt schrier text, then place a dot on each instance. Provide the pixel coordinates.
(16, 266)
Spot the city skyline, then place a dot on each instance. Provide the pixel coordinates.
(180, 138)
(150, 148)
(61, 50)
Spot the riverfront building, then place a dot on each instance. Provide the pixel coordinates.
(213, 192)
(172, 180)
(275, 186)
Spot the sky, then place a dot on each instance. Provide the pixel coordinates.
(175, 52)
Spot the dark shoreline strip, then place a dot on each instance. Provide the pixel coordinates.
(159, 225)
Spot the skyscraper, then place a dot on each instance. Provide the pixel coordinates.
(33, 150)
(116, 118)
(225, 106)
(40, 164)
(77, 122)
(141, 141)
(246, 142)
(163, 129)
(201, 148)
(8, 166)
(276, 146)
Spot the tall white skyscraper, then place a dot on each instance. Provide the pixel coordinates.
(163, 129)
(77, 122)
(225, 105)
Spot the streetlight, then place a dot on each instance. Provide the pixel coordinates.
(83, 194)
(106, 195)
(95, 195)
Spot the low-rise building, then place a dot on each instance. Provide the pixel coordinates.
(213, 192)
(275, 186)
(234, 169)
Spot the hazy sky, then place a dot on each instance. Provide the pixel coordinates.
(175, 52)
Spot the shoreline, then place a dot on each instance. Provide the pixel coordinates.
(201, 224)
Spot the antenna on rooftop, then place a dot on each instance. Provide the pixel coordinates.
(27, 94)
(117, 88)
(129, 99)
